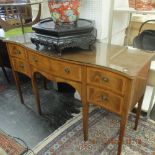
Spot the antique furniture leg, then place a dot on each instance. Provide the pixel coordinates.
(121, 134)
(138, 112)
(3, 68)
(85, 109)
(5, 74)
(36, 93)
(44, 83)
(17, 82)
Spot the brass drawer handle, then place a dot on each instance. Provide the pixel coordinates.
(34, 59)
(21, 66)
(105, 79)
(67, 70)
(104, 98)
(17, 52)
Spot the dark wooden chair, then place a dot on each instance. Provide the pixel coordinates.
(4, 59)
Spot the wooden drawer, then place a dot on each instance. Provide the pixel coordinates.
(66, 70)
(104, 99)
(17, 51)
(21, 66)
(39, 61)
(105, 78)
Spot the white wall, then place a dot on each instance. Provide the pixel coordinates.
(100, 10)
(44, 9)
(97, 10)
(120, 22)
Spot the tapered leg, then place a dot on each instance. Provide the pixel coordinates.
(36, 93)
(44, 83)
(5, 74)
(138, 112)
(85, 120)
(121, 135)
(17, 82)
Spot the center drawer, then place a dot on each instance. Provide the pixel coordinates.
(66, 70)
(39, 61)
(104, 99)
(104, 78)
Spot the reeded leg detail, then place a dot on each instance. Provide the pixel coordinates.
(85, 120)
(138, 112)
(36, 93)
(17, 82)
(121, 135)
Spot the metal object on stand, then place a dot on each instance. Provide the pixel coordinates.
(82, 34)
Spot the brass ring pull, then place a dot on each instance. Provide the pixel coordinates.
(34, 59)
(67, 70)
(17, 51)
(105, 79)
(104, 98)
(21, 66)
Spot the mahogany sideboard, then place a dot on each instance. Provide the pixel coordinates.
(109, 76)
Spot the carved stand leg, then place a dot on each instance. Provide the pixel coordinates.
(138, 112)
(17, 82)
(36, 93)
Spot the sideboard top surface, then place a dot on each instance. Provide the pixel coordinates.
(128, 61)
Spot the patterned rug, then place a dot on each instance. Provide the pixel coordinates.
(103, 135)
(10, 145)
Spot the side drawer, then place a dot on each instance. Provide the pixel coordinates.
(101, 77)
(66, 70)
(39, 61)
(104, 99)
(17, 51)
(21, 66)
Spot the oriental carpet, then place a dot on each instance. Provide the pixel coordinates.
(103, 137)
(11, 145)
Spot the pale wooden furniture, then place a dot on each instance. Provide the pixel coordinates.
(11, 11)
(22, 14)
(111, 77)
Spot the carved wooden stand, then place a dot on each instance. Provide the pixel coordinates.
(82, 34)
